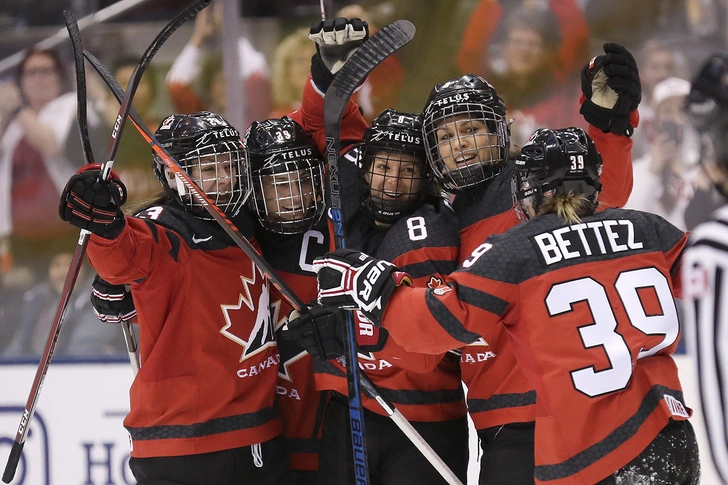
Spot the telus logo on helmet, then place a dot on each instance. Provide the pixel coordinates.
(396, 136)
(457, 98)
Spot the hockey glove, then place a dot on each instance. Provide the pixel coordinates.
(611, 85)
(111, 303)
(336, 41)
(319, 330)
(354, 280)
(94, 205)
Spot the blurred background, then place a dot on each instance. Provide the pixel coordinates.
(249, 59)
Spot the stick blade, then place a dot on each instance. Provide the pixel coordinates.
(376, 49)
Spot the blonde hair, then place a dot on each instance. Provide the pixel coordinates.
(570, 207)
(286, 93)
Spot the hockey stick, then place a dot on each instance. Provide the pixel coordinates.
(80, 250)
(270, 273)
(132, 349)
(377, 48)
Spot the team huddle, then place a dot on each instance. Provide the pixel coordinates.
(513, 272)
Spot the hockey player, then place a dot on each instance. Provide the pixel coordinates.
(202, 405)
(705, 260)
(468, 143)
(392, 209)
(288, 202)
(587, 301)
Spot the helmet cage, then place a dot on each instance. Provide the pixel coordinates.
(476, 138)
(221, 171)
(288, 195)
(393, 181)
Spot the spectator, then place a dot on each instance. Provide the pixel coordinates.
(191, 68)
(133, 152)
(291, 66)
(542, 50)
(658, 61)
(39, 306)
(36, 117)
(665, 178)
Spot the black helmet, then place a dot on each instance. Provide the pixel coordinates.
(465, 118)
(394, 168)
(563, 160)
(211, 153)
(707, 107)
(287, 171)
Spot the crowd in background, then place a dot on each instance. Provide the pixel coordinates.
(530, 50)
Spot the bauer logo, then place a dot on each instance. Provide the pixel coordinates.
(34, 465)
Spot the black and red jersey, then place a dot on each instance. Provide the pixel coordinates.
(590, 314)
(291, 256)
(210, 357)
(424, 243)
(498, 391)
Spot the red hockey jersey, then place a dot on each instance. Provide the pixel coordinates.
(210, 357)
(590, 315)
(498, 391)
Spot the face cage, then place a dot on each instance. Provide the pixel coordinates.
(284, 201)
(389, 189)
(222, 173)
(481, 156)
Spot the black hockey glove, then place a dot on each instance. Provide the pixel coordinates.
(111, 303)
(319, 330)
(354, 280)
(611, 84)
(93, 205)
(336, 41)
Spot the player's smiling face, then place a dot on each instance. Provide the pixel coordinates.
(215, 175)
(288, 196)
(394, 176)
(463, 141)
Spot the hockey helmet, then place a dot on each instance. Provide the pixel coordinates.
(287, 172)
(210, 151)
(394, 168)
(556, 161)
(466, 135)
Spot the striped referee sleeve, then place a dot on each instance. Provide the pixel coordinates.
(705, 283)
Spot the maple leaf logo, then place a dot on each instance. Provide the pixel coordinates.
(261, 336)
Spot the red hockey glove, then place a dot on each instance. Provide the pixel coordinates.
(319, 330)
(611, 85)
(336, 41)
(351, 279)
(94, 205)
(111, 303)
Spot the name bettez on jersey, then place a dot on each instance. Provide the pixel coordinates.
(587, 239)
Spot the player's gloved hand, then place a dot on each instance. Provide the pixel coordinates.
(611, 85)
(93, 205)
(319, 330)
(369, 337)
(111, 303)
(354, 280)
(336, 41)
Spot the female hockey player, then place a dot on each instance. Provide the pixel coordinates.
(202, 405)
(391, 209)
(467, 139)
(587, 301)
(288, 202)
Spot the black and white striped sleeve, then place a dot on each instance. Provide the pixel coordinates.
(705, 286)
